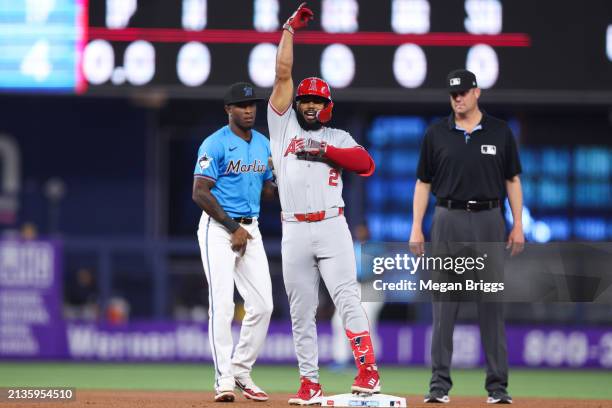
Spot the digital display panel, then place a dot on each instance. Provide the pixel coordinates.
(41, 44)
(391, 50)
(567, 189)
(367, 50)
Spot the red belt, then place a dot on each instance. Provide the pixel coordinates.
(315, 216)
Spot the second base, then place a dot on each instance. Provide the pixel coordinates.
(356, 400)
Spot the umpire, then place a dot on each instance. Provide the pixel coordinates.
(469, 161)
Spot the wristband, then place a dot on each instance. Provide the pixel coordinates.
(230, 224)
(288, 27)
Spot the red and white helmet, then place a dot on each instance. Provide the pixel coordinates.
(314, 86)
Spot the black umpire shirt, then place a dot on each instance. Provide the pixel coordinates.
(462, 166)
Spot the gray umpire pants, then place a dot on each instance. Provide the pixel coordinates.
(463, 226)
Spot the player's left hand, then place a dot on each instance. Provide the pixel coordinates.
(300, 18)
(516, 241)
(311, 150)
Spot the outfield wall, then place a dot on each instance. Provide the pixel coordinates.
(32, 327)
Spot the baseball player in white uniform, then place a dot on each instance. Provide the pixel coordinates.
(231, 170)
(309, 159)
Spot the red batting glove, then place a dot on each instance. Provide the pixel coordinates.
(299, 19)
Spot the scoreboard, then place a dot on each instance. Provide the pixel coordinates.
(384, 50)
(41, 43)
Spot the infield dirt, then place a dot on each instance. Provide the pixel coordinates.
(179, 399)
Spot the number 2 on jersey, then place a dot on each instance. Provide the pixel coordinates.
(333, 177)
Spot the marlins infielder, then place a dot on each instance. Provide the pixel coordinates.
(231, 170)
(309, 159)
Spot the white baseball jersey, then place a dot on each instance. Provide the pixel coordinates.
(304, 186)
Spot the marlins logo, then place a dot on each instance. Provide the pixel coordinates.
(204, 162)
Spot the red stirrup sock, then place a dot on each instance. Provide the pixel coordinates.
(363, 351)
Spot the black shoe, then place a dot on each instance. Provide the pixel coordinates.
(499, 397)
(437, 397)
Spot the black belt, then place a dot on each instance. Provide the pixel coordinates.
(244, 220)
(472, 205)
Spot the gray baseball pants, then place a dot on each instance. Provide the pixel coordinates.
(311, 251)
(463, 226)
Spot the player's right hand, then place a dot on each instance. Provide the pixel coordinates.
(300, 18)
(417, 243)
(240, 237)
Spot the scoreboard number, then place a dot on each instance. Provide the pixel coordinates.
(483, 16)
(119, 12)
(194, 14)
(36, 62)
(193, 64)
(265, 17)
(98, 62)
(340, 16)
(410, 16)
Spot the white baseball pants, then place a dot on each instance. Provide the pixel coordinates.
(251, 275)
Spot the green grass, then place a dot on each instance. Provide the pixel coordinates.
(193, 377)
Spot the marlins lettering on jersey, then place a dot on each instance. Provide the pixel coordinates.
(237, 167)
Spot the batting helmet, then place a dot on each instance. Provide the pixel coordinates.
(314, 86)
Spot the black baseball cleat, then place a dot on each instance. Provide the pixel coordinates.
(437, 397)
(499, 397)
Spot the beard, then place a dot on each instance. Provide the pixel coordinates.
(305, 125)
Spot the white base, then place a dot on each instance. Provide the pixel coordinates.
(357, 400)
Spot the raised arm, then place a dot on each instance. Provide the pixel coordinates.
(282, 92)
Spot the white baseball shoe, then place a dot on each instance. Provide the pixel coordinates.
(250, 390)
(225, 391)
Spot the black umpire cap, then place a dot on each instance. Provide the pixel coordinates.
(460, 80)
(240, 92)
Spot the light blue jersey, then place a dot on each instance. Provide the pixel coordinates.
(237, 167)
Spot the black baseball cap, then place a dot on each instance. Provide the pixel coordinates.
(460, 80)
(240, 92)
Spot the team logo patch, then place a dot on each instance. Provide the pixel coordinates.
(204, 161)
(294, 145)
(248, 91)
(455, 81)
(488, 149)
(313, 85)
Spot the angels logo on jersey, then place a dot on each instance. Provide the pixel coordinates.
(294, 145)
